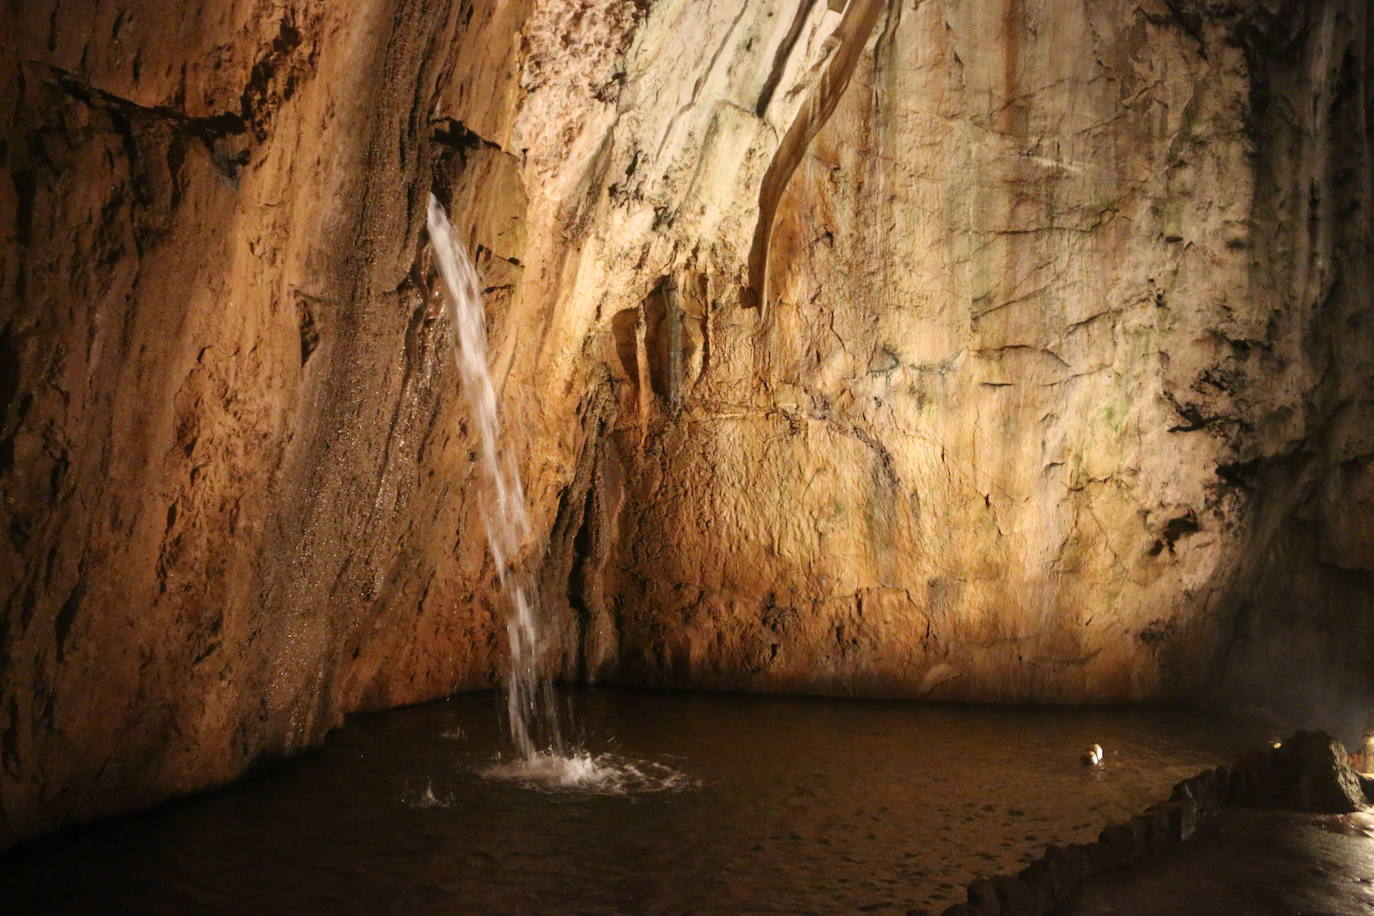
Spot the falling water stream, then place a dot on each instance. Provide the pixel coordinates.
(532, 715)
(542, 759)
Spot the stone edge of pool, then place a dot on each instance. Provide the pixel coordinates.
(1309, 771)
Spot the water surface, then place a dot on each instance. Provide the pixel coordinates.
(784, 805)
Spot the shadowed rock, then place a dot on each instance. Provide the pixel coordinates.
(1318, 776)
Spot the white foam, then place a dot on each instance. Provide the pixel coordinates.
(586, 773)
(425, 799)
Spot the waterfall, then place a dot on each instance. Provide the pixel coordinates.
(542, 761)
(532, 716)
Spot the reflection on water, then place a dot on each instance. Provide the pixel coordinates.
(777, 805)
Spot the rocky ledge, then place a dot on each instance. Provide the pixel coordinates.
(1310, 771)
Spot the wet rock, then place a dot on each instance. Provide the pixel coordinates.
(1069, 865)
(1233, 784)
(1206, 789)
(1195, 801)
(1176, 820)
(1103, 856)
(1117, 845)
(1015, 897)
(1039, 878)
(1162, 827)
(1318, 776)
(1144, 834)
(1256, 777)
(982, 898)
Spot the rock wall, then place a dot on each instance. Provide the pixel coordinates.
(234, 472)
(1066, 350)
(1052, 383)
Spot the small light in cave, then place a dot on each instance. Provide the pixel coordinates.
(1363, 759)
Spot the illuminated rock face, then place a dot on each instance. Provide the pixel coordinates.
(1060, 338)
(1059, 389)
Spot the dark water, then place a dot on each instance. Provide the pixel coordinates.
(795, 805)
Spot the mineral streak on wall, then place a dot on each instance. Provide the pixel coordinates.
(1061, 390)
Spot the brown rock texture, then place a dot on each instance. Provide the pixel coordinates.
(234, 471)
(1319, 776)
(1064, 368)
(1058, 387)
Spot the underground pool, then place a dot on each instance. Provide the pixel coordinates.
(732, 804)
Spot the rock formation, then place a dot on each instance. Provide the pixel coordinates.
(1055, 385)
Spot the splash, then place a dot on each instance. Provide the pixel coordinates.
(532, 717)
(585, 773)
(425, 799)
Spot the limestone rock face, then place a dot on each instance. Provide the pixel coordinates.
(1059, 345)
(1056, 385)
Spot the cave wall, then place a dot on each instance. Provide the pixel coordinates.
(1055, 386)
(234, 471)
(1061, 390)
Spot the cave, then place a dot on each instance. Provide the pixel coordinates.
(665, 456)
